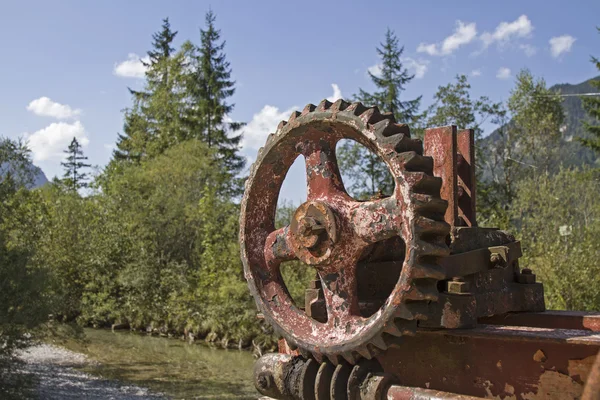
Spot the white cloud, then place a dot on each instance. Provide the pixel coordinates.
(375, 70)
(418, 67)
(255, 132)
(50, 142)
(503, 73)
(505, 31)
(561, 44)
(264, 122)
(463, 34)
(528, 49)
(45, 107)
(476, 72)
(337, 93)
(132, 67)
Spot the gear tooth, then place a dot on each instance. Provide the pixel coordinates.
(324, 105)
(425, 270)
(401, 327)
(304, 353)
(372, 116)
(409, 144)
(333, 359)
(339, 105)
(281, 125)
(431, 206)
(349, 357)
(422, 182)
(423, 289)
(427, 226)
(364, 352)
(411, 311)
(391, 128)
(356, 108)
(416, 162)
(378, 342)
(408, 328)
(317, 356)
(308, 109)
(432, 249)
(293, 116)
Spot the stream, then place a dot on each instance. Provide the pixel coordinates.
(172, 367)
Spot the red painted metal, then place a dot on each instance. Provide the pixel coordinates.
(467, 189)
(441, 145)
(391, 273)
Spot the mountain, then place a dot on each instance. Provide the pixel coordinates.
(571, 152)
(39, 178)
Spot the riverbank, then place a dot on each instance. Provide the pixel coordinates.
(56, 376)
(144, 365)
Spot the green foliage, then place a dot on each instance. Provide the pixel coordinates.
(368, 175)
(558, 217)
(25, 302)
(524, 147)
(538, 117)
(592, 107)
(453, 106)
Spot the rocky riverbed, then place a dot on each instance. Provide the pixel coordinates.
(55, 377)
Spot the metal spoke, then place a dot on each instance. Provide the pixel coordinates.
(322, 172)
(341, 294)
(377, 220)
(278, 248)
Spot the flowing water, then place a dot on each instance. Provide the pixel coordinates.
(172, 367)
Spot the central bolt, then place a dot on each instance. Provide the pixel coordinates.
(310, 229)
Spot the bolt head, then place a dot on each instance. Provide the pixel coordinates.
(526, 278)
(458, 287)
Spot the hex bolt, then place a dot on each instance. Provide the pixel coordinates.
(526, 276)
(458, 286)
(497, 260)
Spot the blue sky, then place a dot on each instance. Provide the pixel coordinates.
(63, 73)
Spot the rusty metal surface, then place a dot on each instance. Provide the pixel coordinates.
(579, 320)
(592, 385)
(397, 392)
(465, 170)
(496, 361)
(332, 231)
(441, 144)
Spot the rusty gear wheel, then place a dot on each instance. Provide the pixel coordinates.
(331, 230)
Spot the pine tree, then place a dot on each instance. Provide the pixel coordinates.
(367, 173)
(74, 178)
(592, 106)
(391, 80)
(210, 86)
(154, 122)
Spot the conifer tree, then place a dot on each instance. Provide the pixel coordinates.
(391, 81)
(592, 106)
(74, 177)
(210, 87)
(368, 174)
(154, 122)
